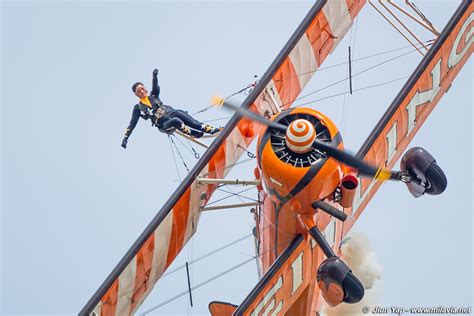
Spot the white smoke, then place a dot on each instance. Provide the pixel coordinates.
(358, 255)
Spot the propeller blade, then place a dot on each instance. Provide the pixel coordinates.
(218, 101)
(356, 163)
(340, 155)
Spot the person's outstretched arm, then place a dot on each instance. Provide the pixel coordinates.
(155, 89)
(131, 126)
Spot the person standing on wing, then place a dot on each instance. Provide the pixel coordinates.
(166, 118)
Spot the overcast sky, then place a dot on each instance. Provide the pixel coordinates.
(73, 201)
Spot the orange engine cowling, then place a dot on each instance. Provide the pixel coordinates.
(291, 165)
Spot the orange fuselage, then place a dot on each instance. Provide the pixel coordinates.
(290, 182)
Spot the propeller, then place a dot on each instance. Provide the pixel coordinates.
(364, 168)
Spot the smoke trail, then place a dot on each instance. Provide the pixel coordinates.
(359, 256)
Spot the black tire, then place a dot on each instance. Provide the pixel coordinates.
(436, 178)
(353, 289)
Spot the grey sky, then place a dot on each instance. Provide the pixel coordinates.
(73, 201)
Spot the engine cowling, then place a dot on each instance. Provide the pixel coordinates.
(289, 162)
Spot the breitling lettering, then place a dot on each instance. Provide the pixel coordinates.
(269, 301)
(454, 57)
(421, 98)
(269, 296)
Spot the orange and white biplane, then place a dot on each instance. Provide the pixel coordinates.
(305, 179)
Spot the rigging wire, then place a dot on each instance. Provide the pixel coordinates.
(343, 93)
(190, 148)
(219, 119)
(177, 150)
(198, 285)
(174, 158)
(234, 194)
(248, 88)
(342, 80)
(428, 43)
(128, 292)
(206, 255)
(196, 154)
(230, 166)
(249, 153)
(212, 278)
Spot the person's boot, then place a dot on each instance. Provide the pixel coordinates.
(210, 129)
(185, 130)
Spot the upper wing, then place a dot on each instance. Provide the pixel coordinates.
(133, 278)
(411, 107)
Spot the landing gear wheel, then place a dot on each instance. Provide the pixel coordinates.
(337, 283)
(425, 176)
(353, 289)
(436, 179)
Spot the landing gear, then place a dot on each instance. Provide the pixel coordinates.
(337, 283)
(421, 173)
(335, 278)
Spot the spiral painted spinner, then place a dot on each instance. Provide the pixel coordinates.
(300, 136)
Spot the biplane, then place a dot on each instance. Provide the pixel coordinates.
(306, 181)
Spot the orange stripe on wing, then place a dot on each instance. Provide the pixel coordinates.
(217, 163)
(320, 37)
(144, 266)
(287, 83)
(109, 301)
(180, 218)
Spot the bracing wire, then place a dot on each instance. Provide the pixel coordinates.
(230, 166)
(128, 292)
(342, 80)
(206, 255)
(427, 43)
(233, 194)
(194, 260)
(210, 279)
(248, 88)
(189, 148)
(249, 153)
(198, 285)
(174, 159)
(179, 154)
(218, 119)
(355, 90)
